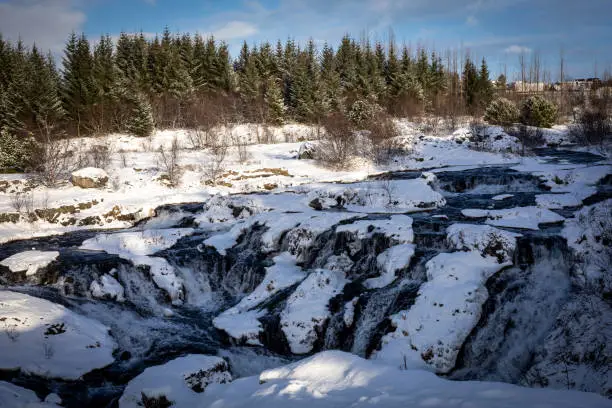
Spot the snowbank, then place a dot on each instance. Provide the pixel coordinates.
(430, 333)
(12, 396)
(46, 339)
(307, 308)
(180, 381)
(557, 201)
(136, 246)
(29, 261)
(239, 321)
(518, 217)
(334, 379)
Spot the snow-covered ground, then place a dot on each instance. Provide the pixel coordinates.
(46, 339)
(338, 379)
(29, 261)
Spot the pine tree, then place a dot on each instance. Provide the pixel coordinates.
(141, 122)
(274, 102)
(470, 83)
(44, 98)
(485, 88)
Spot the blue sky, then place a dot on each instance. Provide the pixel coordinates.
(497, 29)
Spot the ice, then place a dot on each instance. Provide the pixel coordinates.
(389, 262)
(517, 217)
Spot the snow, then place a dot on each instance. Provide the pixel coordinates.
(240, 322)
(349, 312)
(12, 396)
(485, 239)
(29, 261)
(137, 246)
(307, 308)
(517, 217)
(397, 228)
(389, 262)
(181, 381)
(430, 333)
(501, 197)
(48, 340)
(107, 288)
(334, 379)
(557, 201)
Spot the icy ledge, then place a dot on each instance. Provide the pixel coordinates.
(518, 217)
(46, 339)
(337, 379)
(29, 261)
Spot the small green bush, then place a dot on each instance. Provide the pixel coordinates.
(539, 112)
(502, 112)
(15, 153)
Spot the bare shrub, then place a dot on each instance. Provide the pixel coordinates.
(389, 188)
(242, 149)
(55, 161)
(123, 158)
(594, 126)
(339, 144)
(478, 135)
(218, 152)
(18, 201)
(382, 135)
(168, 160)
(11, 331)
(529, 137)
(100, 156)
(156, 402)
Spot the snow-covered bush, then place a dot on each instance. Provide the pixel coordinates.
(538, 111)
(15, 153)
(502, 112)
(593, 126)
(339, 143)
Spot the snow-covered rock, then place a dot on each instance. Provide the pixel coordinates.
(179, 382)
(334, 379)
(389, 262)
(107, 287)
(430, 333)
(518, 217)
(240, 322)
(398, 228)
(307, 308)
(46, 339)
(502, 197)
(89, 177)
(485, 239)
(29, 261)
(308, 150)
(137, 246)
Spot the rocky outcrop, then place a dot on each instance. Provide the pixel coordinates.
(89, 177)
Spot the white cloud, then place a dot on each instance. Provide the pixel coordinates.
(517, 49)
(235, 29)
(44, 22)
(471, 21)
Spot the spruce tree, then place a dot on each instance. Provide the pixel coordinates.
(140, 123)
(485, 88)
(470, 83)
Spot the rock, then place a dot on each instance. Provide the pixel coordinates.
(316, 204)
(307, 151)
(89, 177)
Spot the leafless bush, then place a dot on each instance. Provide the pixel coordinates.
(389, 189)
(218, 151)
(18, 201)
(55, 161)
(100, 155)
(382, 135)
(48, 350)
(242, 149)
(529, 137)
(11, 331)
(594, 126)
(478, 134)
(168, 160)
(123, 157)
(338, 145)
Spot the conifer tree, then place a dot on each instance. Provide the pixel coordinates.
(485, 88)
(141, 122)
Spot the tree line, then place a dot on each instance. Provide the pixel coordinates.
(138, 83)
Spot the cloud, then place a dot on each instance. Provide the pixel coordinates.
(471, 21)
(235, 29)
(517, 49)
(44, 22)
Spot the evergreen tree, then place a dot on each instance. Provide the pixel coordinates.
(485, 88)
(141, 122)
(470, 83)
